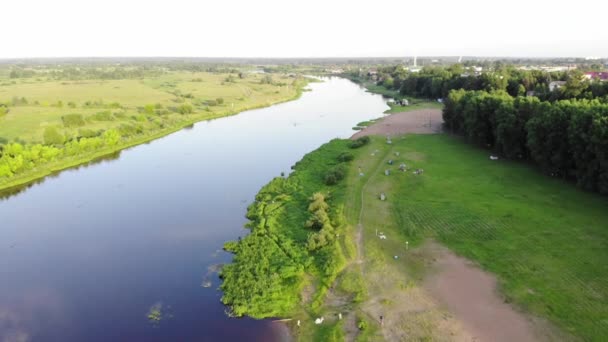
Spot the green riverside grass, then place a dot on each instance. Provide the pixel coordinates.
(543, 238)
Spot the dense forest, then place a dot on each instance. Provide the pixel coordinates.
(563, 129)
(567, 138)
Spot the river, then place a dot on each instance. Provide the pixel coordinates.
(87, 254)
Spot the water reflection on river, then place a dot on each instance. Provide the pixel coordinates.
(89, 254)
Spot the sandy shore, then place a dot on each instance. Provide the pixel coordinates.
(423, 121)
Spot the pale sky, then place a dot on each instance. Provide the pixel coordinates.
(311, 28)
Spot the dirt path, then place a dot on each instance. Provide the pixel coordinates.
(409, 312)
(471, 294)
(423, 121)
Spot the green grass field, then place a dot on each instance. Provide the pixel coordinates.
(27, 122)
(546, 240)
(140, 109)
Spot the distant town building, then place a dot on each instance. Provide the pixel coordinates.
(373, 74)
(556, 85)
(552, 68)
(597, 75)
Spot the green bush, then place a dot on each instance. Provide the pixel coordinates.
(102, 116)
(359, 142)
(127, 130)
(120, 115)
(52, 136)
(88, 133)
(219, 101)
(185, 109)
(149, 109)
(345, 157)
(334, 175)
(73, 120)
(267, 79)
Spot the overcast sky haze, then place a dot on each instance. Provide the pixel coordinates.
(312, 28)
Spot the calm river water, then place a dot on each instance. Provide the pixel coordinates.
(86, 255)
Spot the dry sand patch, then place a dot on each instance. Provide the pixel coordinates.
(423, 121)
(471, 294)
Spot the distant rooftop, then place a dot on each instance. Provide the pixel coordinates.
(602, 75)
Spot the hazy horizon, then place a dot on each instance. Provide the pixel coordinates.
(316, 29)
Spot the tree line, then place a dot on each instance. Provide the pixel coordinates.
(563, 130)
(565, 138)
(436, 82)
(16, 158)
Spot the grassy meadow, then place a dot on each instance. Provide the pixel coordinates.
(545, 239)
(55, 114)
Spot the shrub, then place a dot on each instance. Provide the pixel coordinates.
(149, 109)
(19, 101)
(73, 120)
(120, 115)
(267, 79)
(334, 175)
(126, 130)
(219, 101)
(139, 117)
(87, 133)
(185, 109)
(102, 116)
(359, 142)
(345, 157)
(52, 136)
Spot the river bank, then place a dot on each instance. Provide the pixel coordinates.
(150, 225)
(393, 284)
(41, 171)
